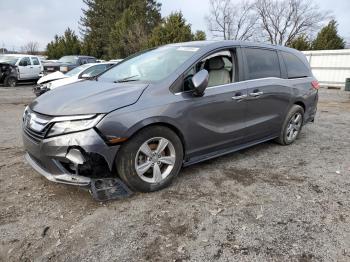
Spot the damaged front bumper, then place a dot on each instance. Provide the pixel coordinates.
(38, 90)
(64, 178)
(72, 159)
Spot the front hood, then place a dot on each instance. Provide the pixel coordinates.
(64, 81)
(87, 97)
(50, 77)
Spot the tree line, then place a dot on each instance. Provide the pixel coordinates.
(291, 23)
(118, 28)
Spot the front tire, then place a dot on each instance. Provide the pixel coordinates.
(150, 159)
(10, 81)
(292, 126)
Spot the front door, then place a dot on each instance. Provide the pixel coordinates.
(217, 119)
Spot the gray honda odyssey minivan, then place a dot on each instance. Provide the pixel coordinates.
(168, 107)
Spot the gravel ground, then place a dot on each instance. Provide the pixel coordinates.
(266, 203)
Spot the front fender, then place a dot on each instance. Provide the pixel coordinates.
(125, 125)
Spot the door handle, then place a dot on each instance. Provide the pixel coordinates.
(239, 97)
(256, 94)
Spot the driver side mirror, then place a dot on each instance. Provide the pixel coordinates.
(200, 82)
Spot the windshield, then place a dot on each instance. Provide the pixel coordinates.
(68, 59)
(77, 70)
(153, 65)
(9, 59)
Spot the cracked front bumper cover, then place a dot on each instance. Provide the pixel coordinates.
(50, 156)
(64, 178)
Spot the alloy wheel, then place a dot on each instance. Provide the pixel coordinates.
(155, 160)
(294, 127)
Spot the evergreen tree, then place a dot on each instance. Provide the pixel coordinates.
(101, 17)
(328, 38)
(131, 32)
(173, 30)
(67, 44)
(96, 24)
(199, 36)
(301, 43)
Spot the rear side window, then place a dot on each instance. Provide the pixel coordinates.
(295, 67)
(262, 63)
(35, 61)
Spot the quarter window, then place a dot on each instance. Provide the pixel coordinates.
(295, 67)
(262, 63)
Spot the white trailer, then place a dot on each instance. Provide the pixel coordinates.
(330, 67)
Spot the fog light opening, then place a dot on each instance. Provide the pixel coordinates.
(75, 156)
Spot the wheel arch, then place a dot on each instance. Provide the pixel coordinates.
(159, 122)
(300, 103)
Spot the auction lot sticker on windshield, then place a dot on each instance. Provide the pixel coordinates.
(188, 49)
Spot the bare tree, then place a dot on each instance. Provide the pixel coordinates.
(31, 48)
(281, 21)
(229, 21)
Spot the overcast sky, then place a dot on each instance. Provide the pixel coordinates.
(39, 20)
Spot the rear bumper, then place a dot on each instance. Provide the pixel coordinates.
(311, 111)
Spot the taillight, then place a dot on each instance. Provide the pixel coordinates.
(315, 84)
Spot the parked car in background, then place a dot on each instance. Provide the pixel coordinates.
(29, 66)
(169, 107)
(8, 74)
(67, 63)
(56, 79)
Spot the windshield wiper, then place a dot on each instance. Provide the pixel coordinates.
(126, 79)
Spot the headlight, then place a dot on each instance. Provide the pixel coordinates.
(46, 86)
(66, 125)
(64, 68)
(25, 113)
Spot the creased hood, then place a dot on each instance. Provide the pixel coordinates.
(87, 97)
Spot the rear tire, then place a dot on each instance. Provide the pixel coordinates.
(10, 81)
(150, 159)
(292, 126)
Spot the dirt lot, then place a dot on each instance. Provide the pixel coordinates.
(266, 203)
